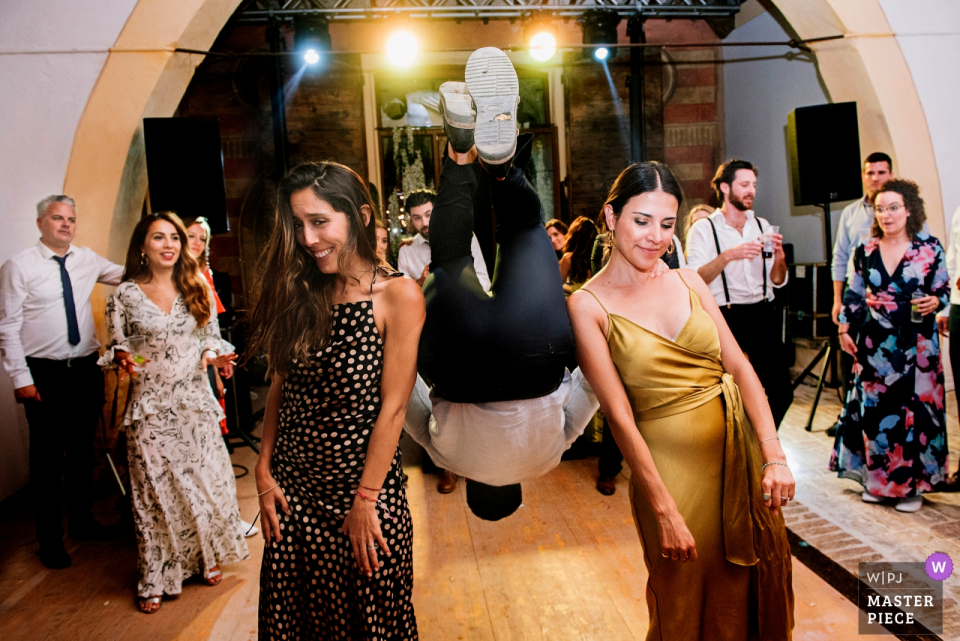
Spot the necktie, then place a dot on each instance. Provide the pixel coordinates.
(73, 330)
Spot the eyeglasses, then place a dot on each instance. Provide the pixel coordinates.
(892, 209)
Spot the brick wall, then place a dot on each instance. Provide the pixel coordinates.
(324, 122)
(693, 144)
(685, 131)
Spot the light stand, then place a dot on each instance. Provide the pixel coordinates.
(830, 352)
(278, 108)
(638, 143)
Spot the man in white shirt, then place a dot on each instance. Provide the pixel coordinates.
(50, 352)
(414, 258)
(414, 261)
(726, 249)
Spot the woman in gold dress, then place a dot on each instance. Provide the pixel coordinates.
(707, 483)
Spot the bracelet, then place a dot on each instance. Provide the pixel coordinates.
(270, 490)
(772, 438)
(377, 502)
(838, 333)
(372, 489)
(364, 496)
(766, 465)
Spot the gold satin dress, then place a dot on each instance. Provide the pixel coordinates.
(690, 414)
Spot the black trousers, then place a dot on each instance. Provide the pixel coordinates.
(514, 343)
(757, 329)
(63, 426)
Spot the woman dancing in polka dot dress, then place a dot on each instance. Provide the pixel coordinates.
(340, 335)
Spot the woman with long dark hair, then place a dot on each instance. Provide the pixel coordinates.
(707, 482)
(340, 334)
(575, 268)
(182, 484)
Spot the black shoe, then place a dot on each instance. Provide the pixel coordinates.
(952, 484)
(607, 485)
(54, 556)
(832, 430)
(90, 529)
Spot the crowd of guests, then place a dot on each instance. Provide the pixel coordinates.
(673, 335)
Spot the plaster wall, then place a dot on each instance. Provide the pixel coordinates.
(51, 54)
(759, 92)
(929, 36)
(78, 77)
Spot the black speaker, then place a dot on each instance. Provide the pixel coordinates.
(185, 168)
(824, 146)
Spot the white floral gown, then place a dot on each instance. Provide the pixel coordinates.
(183, 489)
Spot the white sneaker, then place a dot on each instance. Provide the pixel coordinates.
(866, 497)
(912, 504)
(493, 85)
(459, 115)
(248, 529)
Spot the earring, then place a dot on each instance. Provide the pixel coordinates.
(143, 259)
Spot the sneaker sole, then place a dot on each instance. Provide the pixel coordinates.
(493, 83)
(458, 110)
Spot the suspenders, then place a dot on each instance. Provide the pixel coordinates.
(723, 275)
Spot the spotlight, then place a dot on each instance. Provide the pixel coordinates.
(542, 37)
(311, 37)
(599, 28)
(402, 48)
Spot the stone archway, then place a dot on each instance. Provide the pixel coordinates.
(868, 66)
(144, 77)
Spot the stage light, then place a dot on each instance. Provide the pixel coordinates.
(599, 28)
(402, 48)
(311, 37)
(542, 37)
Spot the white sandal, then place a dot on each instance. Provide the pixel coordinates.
(147, 601)
(213, 577)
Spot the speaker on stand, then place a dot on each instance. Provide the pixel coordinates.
(824, 146)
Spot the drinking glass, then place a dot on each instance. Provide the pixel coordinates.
(768, 240)
(137, 345)
(915, 315)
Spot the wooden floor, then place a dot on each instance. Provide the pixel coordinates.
(567, 565)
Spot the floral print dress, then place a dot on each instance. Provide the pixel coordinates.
(181, 478)
(893, 432)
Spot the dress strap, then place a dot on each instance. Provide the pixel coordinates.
(584, 289)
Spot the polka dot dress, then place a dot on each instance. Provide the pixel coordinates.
(310, 584)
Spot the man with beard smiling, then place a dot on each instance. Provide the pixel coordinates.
(414, 256)
(726, 249)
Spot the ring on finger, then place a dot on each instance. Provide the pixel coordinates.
(371, 547)
(766, 496)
